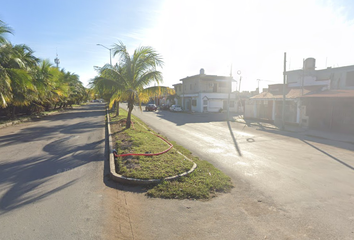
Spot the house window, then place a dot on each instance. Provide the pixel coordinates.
(191, 87)
(232, 104)
(194, 102)
(205, 102)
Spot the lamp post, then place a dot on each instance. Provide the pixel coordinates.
(110, 54)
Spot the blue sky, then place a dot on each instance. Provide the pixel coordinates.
(251, 36)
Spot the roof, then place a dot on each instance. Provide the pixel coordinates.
(339, 93)
(307, 93)
(292, 93)
(205, 77)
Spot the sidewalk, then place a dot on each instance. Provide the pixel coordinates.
(334, 136)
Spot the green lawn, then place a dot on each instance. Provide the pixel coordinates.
(205, 182)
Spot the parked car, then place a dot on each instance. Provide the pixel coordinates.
(164, 107)
(176, 108)
(150, 107)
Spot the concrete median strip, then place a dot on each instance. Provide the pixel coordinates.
(134, 181)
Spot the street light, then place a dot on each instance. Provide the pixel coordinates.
(110, 55)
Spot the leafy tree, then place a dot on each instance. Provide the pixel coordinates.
(130, 78)
(28, 83)
(16, 83)
(108, 85)
(137, 72)
(3, 30)
(5, 81)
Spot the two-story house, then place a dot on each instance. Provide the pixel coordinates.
(206, 93)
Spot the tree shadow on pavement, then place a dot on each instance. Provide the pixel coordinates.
(301, 136)
(182, 118)
(234, 139)
(24, 178)
(329, 155)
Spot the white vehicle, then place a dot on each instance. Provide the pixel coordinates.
(176, 108)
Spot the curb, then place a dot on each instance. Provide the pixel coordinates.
(16, 122)
(28, 119)
(136, 181)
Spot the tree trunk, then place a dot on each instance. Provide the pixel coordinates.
(130, 109)
(117, 113)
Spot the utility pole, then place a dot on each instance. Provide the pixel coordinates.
(228, 100)
(284, 79)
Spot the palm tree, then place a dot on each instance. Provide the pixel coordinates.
(20, 68)
(5, 81)
(47, 84)
(129, 79)
(3, 30)
(138, 72)
(108, 85)
(76, 92)
(16, 85)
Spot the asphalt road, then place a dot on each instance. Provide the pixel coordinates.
(287, 185)
(52, 177)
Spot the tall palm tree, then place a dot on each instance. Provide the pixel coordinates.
(47, 84)
(138, 72)
(21, 66)
(16, 85)
(129, 79)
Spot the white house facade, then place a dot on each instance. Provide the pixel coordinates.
(206, 93)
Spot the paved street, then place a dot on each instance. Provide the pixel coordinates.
(287, 185)
(51, 177)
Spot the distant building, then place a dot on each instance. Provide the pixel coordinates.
(320, 99)
(206, 93)
(331, 78)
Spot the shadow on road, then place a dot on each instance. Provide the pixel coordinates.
(329, 155)
(23, 176)
(302, 136)
(182, 118)
(234, 139)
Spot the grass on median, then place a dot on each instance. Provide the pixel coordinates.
(205, 182)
